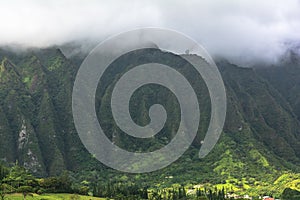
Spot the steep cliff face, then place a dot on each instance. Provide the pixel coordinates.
(261, 133)
(35, 100)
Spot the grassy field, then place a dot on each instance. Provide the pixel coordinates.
(50, 197)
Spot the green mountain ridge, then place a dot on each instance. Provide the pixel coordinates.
(261, 138)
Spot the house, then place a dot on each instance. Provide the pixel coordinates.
(268, 198)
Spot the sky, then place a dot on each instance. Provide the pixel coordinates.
(236, 29)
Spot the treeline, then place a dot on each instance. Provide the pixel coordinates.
(120, 191)
(130, 191)
(17, 179)
(180, 193)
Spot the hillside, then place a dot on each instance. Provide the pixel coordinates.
(260, 142)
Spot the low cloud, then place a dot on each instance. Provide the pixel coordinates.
(237, 29)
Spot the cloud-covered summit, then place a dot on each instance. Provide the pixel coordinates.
(237, 29)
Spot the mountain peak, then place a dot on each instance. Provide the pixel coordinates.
(292, 53)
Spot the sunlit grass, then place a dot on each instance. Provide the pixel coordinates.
(18, 196)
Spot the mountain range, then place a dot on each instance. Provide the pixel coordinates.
(260, 140)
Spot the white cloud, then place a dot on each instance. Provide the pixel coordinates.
(232, 28)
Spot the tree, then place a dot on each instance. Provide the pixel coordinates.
(3, 192)
(17, 177)
(3, 172)
(65, 182)
(26, 191)
(144, 193)
(290, 194)
(4, 188)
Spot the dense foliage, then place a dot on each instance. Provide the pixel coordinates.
(258, 153)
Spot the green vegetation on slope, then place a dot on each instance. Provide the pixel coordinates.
(260, 142)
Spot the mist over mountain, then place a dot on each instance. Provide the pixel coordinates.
(241, 31)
